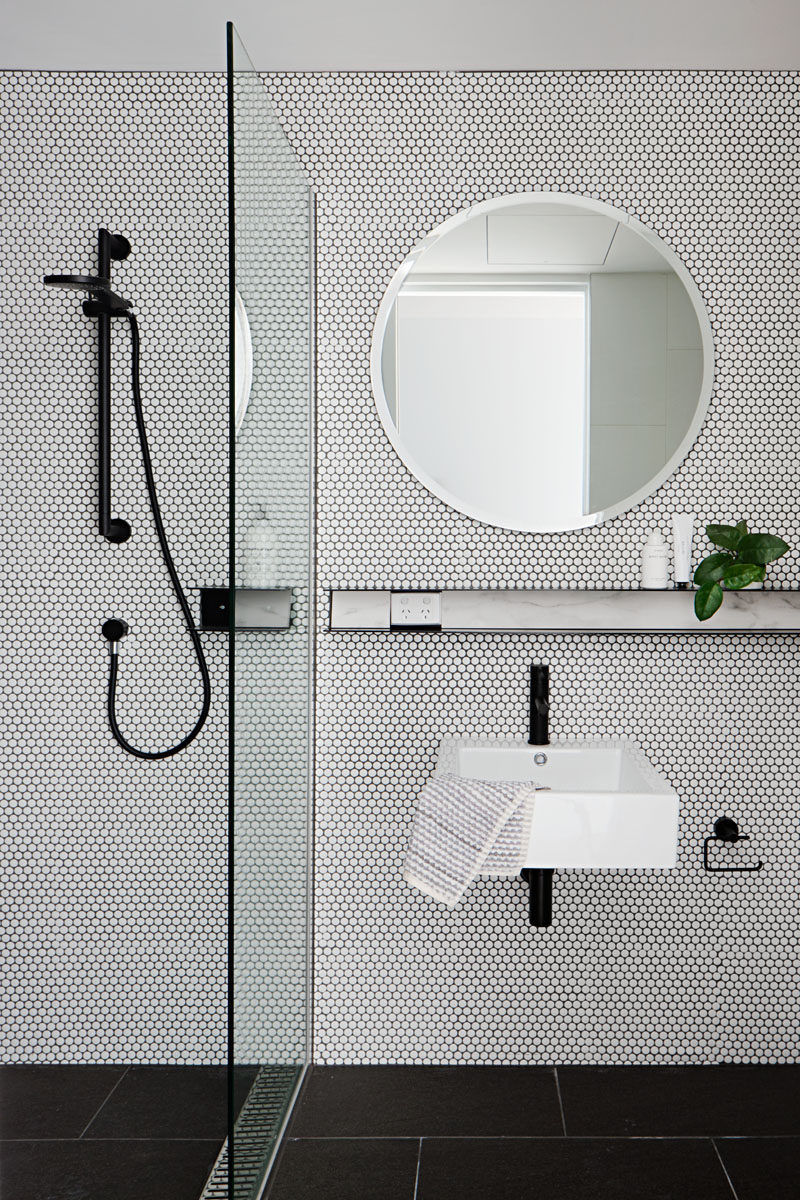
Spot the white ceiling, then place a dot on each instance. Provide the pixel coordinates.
(365, 35)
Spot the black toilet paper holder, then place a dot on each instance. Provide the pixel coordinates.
(726, 830)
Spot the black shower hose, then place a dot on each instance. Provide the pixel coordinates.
(173, 574)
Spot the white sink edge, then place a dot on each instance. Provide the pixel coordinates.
(447, 757)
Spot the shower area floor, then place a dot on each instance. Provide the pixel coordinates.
(112, 1133)
(566, 1133)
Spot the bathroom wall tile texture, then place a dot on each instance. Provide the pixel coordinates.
(114, 869)
(637, 967)
(115, 879)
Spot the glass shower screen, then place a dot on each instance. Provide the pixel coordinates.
(271, 346)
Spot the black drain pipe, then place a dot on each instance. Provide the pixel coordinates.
(540, 895)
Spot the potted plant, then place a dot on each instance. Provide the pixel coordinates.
(742, 560)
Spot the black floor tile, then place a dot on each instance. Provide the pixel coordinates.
(570, 1169)
(345, 1169)
(762, 1168)
(81, 1170)
(428, 1102)
(169, 1102)
(52, 1102)
(680, 1101)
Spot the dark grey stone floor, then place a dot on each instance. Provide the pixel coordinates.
(111, 1133)
(413, 1133)
(497, 1133)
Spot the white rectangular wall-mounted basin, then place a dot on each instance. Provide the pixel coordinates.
(607, 805)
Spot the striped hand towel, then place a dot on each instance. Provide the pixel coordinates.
(464, 828)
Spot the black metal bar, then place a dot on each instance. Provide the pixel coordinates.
(103, 304)
(540, 895)
(104, 392)
(108, 246)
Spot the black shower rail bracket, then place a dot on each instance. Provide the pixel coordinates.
(726, 830)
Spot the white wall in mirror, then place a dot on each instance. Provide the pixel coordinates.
(542, 361)
(646, 372)
(526, 349)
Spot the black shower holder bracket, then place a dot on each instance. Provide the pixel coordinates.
(727, 831)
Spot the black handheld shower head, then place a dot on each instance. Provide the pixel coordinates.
(77, 283)
(102, 301)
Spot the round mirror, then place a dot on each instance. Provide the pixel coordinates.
(542, 362)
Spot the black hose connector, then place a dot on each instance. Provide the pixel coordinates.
(114, 629)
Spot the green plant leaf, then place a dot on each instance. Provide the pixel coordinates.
(739, 575)
(712, 568)
(761, 548)
(707, 600)
(741, 527)
(727, 536)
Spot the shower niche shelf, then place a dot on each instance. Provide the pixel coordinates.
(256, 609)
(563, 610)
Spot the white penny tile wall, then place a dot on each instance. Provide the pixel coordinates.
(679, 967)
(113, 869)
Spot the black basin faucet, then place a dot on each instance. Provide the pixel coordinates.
(538, 720)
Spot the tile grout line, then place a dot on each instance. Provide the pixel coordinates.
(724, 1168)
(498, 1137)
(362, 1137)
(105, 1102)
(416, 1177)
(35, 1140)
(560, 1101)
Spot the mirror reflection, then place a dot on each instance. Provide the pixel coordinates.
(542, 362)
(242, 361)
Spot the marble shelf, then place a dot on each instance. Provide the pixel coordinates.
(564, 610)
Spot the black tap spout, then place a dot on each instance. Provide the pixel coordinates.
(539, 713)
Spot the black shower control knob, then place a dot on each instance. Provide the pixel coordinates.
(114, 630)
(726, 829)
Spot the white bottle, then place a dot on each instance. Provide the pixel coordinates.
(261, 566)
(655, 561)
(682, 525)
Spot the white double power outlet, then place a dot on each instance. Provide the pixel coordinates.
(416, 608)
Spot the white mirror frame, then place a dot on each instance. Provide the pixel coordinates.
(586, 204)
